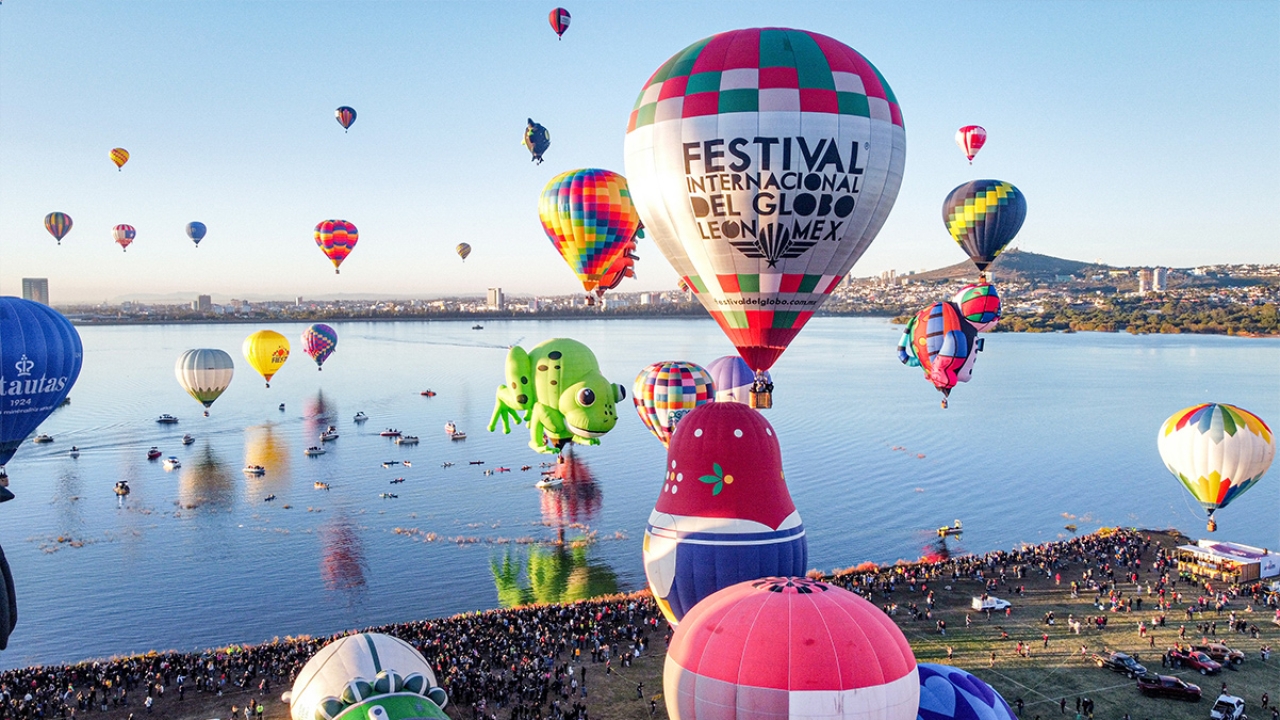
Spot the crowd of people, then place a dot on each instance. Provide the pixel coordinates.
(534, 663)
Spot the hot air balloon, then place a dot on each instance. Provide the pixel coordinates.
(196, 231)
(589, 218)
(763, 163)
(266, 351)
(979, 304)
(8, 600)
(559, 20)
(319, 341)
(119, 156)
(345, 116)
(788, 647)
(984, 216)
(124, 235)
(463, 250)
(971, 138)
(945, 345)
(58, 224)
(366, 675)
(205, 373)
(1217, 452)
(537, 139)
(949, 693)
(336, 238)
(664, 392)
(724, 514)
(733, 379)
(622, 268)
(40, 356)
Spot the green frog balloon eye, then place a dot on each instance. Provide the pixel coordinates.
(586, 397)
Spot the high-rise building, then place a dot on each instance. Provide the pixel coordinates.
(1144, 281)
(202, 303)
(36, 289)
(496, 299)
(1159, 279)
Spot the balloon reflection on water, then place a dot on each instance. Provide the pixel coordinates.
(206, 482)
(551, 574)
(342, 564)
(576, 500)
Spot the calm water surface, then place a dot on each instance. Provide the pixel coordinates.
(1054, 429)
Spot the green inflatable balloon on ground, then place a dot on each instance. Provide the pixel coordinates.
(558, 390)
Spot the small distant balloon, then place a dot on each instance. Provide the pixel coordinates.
(346, 116)
(119, 156)
(463, 250)
(336, 239)
(319, 341)
(58, 224)
(971, 138)
(124, 235)
(537, 139)
(196, 231)
(559, 20)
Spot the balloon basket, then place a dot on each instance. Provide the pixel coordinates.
(761, 399)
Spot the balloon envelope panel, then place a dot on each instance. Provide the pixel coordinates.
(949, 693)
(40, 358)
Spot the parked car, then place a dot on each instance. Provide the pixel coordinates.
(1195, 660)
(1221, 653)
(1168, 686)
(989, 602)
(1121, 663)
(1227, 707)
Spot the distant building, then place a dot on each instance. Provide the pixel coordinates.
(496, 300)
(646, 298)
(1159, 279)
(202, 303)
(36, 289)
(297, 301)
(1144, 281)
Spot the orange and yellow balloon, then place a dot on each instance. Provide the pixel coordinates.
(266, 351)
(119, 156)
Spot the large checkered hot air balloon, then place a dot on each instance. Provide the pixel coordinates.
(780, 648)
(724, 514)
(588, 215)
(664, 392)
(763, 163)
(1217, 451)
(336, 238)
(984, 216)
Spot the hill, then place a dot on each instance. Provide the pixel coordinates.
(1016, 265)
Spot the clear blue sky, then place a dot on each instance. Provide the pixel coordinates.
(1141, 133)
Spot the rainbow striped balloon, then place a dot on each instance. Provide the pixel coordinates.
(664, 392)
(58, 224)
(336, 238)
(589, 217)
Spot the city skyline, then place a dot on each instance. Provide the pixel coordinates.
(1096, 112)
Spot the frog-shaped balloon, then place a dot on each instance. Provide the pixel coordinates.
(558, 390)
(367, 676)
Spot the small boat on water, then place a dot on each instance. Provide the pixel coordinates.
(254, 470)
(166, 419)
(407, 440)
(1071, 527)
(397, 481)
(188, 439)
(428, 393)
(524, 468)
(475, 462)
(360, 417)
(446, 465)
(954, 529)
(172, 463)
(122, 488)
(390, 432)
(477, 327)
(549, 481)
(328, 436)
(42, 439)
(321, 485)
(406, 463)
(502, 469)
(458, 436)
(281, 407)
(388, 496)
(269, 498)
(390, 463)
(75, 452)
(313, 451)
(154, 453)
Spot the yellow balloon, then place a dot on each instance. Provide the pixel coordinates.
(266, 351)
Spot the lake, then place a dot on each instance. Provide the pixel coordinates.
(1053, 430)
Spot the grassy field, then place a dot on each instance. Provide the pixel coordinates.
(1041, 678)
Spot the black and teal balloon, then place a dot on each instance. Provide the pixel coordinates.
(984, 216)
